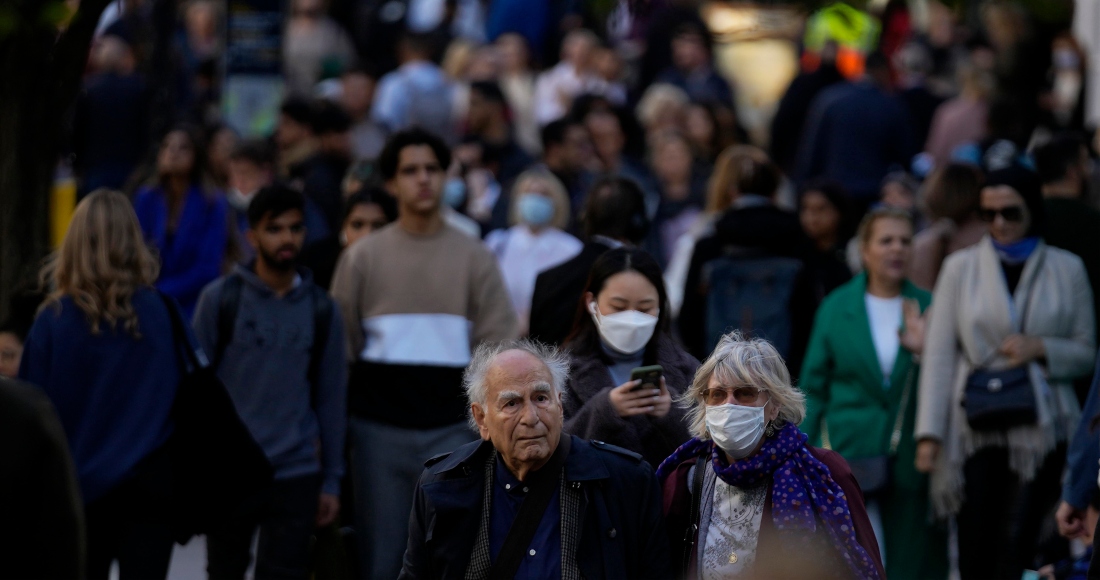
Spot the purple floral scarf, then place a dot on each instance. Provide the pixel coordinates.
(801, 487)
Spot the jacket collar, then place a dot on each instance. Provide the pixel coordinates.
(581, 465)
(247, 272)
(855, 309)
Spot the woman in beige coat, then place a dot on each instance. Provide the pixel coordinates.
(1008, 302)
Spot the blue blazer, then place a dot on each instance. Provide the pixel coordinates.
(192, 256)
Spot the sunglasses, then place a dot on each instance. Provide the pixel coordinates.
(740, 395)
(1012, 213)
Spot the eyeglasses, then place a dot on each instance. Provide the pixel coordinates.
(741, 395)
(1012, 213)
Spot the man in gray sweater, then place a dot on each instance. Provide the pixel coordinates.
(278, 345)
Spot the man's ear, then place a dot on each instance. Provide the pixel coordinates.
(250, 235)
(479, 417)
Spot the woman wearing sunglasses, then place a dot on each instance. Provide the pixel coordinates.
(1011, 328)
(747, 497)
(860, 380)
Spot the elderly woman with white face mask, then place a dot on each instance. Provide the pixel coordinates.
(747, 497)
(621, 325)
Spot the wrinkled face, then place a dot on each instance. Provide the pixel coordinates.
(889, 250)
(247, 177)
(364, 219)
(278, 240)
(1006, 213)
(522, 414)
(418, 184)
(820, 219)
(11, 351)
(177, 154)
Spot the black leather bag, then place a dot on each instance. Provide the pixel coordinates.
(875, 474)
(1000, 400)
(216, 463)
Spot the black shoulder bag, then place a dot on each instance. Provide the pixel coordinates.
(875, 473)
(530, 515)
(216, 464)
(1001, 400)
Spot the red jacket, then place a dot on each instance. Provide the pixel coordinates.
(779, 556)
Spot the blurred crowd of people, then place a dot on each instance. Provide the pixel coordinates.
(921, 215)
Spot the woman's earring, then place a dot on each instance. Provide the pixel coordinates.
(770, 429)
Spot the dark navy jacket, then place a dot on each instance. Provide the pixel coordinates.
(621, 535)
(1084, 452)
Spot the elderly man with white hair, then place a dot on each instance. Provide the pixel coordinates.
(526, 502)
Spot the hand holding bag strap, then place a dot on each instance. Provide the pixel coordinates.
(1018, 324)
(530, 514)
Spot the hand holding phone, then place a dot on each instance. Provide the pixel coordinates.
(650, 377)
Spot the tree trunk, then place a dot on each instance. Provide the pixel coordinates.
(42, 72)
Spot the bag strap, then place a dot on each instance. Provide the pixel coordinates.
(228, 304)
(191, 357)
(895, 437)
(700, 470)
(322, 320)
(1018, 326)
(530, 515)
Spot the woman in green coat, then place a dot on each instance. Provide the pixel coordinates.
(860, 380)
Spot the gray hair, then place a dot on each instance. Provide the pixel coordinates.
(741, 361)
(473, 380)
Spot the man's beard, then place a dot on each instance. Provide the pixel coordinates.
(271, 261)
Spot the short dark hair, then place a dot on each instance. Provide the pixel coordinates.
(273, 201)
(554, 132)
(1053, 159)
(328, 118)
(256, 151)
(375, 195)
(298, 109)
(391, 153)
(616, 208)
(489, 90)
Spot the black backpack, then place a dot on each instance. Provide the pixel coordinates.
(229, 304)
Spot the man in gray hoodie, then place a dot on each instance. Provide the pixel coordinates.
(278, 345)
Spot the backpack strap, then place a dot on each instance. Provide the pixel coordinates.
(322, 320)
(228, 304)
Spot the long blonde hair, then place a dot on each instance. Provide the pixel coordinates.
(103, 260)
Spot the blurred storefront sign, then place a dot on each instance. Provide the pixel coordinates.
(253, 88)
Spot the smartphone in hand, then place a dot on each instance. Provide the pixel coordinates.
(650, 377)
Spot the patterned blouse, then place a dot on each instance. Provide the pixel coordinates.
(731, 539)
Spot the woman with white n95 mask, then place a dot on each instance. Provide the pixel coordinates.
(747, 496)
(535, 242)
(621, 325)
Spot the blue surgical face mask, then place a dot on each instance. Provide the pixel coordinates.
(535, 209)
(454, 192)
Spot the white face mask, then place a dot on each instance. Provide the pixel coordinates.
(736, 429)
(627, 332)
(239, 200)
